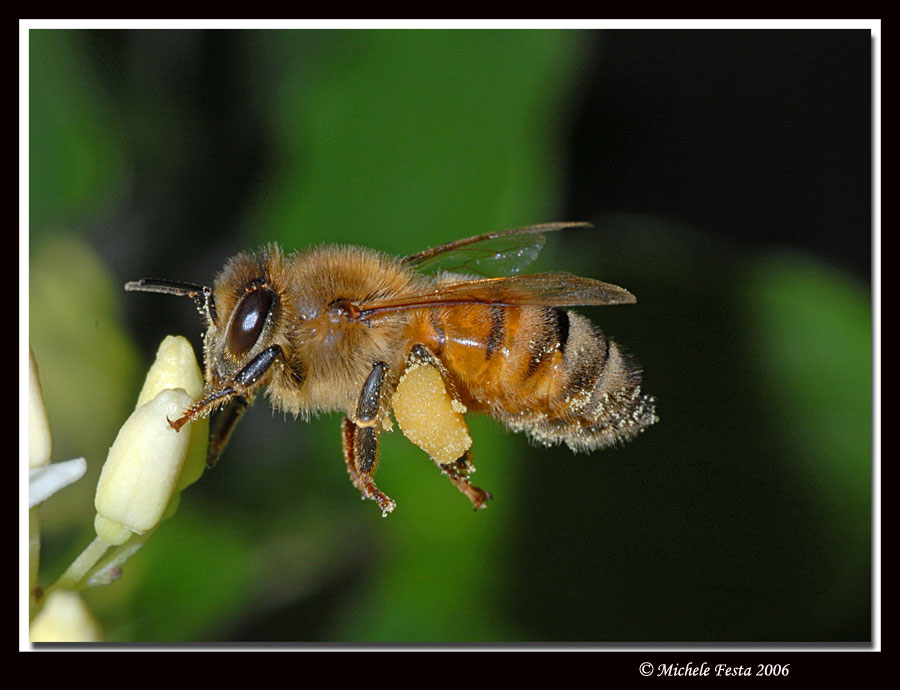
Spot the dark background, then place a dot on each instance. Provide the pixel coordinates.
(728, 177)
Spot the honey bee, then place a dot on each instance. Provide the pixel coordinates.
(334, 329)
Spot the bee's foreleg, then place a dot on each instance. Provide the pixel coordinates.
(241, 385)
(360, 439)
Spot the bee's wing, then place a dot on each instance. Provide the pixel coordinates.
(495, 253)
(558, 289)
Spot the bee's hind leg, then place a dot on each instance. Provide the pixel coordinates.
(438, 399)
(458, 473)
(360, 440)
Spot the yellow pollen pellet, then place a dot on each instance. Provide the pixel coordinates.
(429, 417)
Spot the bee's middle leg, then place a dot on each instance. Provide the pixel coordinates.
(221, 426)
(360, 440)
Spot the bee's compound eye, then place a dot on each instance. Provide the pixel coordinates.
(248, 321)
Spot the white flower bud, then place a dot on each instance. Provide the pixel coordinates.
(149, 461)
(64, 618)
(39, 442)
(144, 463)
(175, 367)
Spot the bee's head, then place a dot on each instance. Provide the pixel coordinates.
(247, 314)
(241, 312)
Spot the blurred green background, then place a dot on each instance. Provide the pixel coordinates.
(728, 178)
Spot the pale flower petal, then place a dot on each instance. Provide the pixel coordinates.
(45, 481)
(39, 442)
(64, 618)
(112, 533)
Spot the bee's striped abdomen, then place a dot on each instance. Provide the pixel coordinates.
(545, 371)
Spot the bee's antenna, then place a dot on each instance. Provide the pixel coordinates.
(201, 295)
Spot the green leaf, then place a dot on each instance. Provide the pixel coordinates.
(813, 345)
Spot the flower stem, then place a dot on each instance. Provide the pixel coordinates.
(111, 569)
(79, 568)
